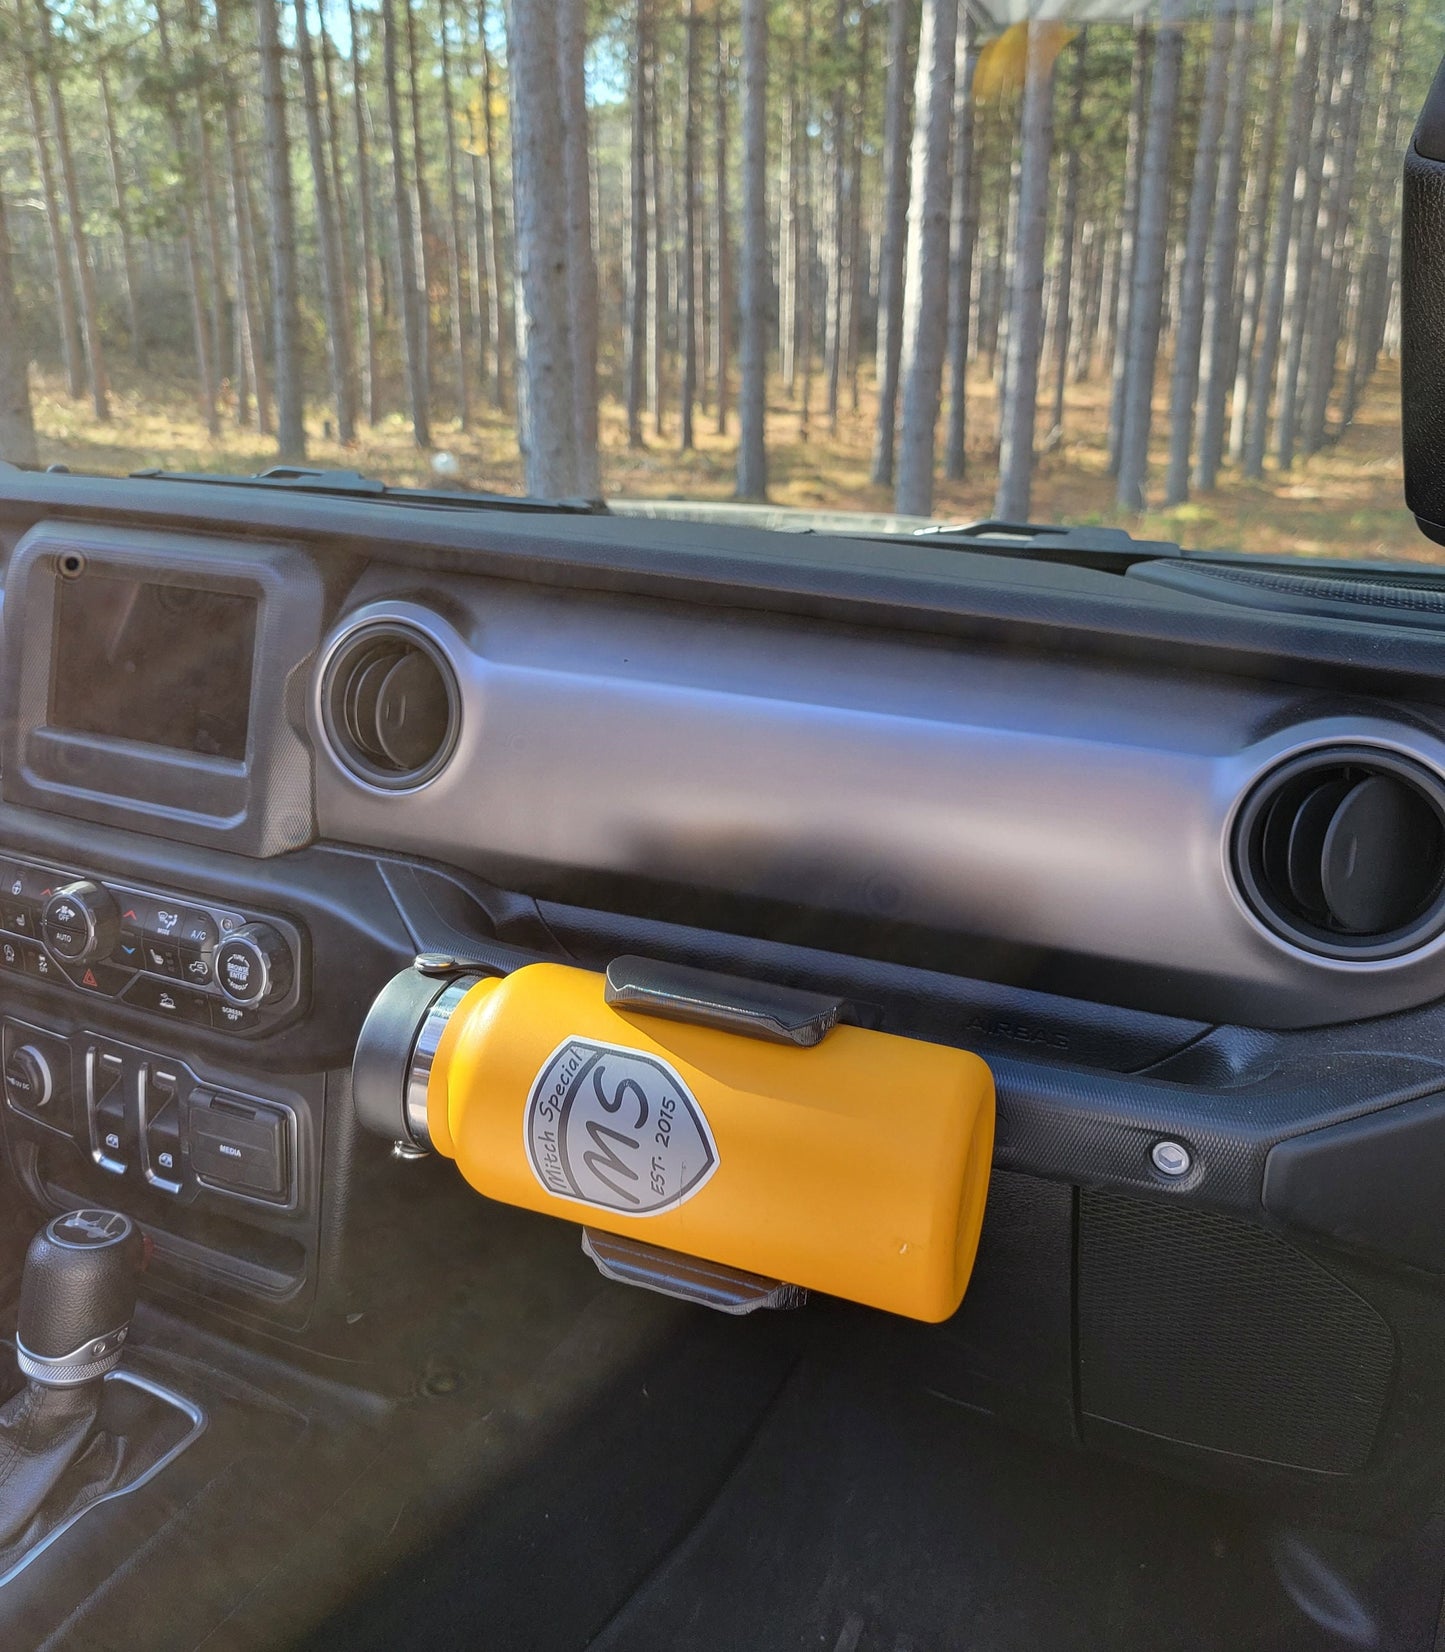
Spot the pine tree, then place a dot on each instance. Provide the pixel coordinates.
(752, 399)
(925, 320)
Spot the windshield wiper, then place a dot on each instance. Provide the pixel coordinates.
(351, 484)
(1111, 549)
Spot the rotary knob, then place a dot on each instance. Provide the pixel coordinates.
(80, 922)
(28, 1079)
(253, 966)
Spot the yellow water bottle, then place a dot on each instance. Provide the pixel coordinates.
(707, 1116)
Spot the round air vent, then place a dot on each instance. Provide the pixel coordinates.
(1343, 853)
(390, 704)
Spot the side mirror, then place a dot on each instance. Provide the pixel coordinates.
(1422, 316)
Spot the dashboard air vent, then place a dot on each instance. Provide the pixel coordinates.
(1342, 852)
(390, 705)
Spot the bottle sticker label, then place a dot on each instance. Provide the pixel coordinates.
(610, 1127)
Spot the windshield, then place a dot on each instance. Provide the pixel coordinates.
(914, 260)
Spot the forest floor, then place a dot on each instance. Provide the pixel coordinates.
(1345, 501)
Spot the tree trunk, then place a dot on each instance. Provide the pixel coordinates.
(130, 276)
(837, 213)
(1095, 277)
(345, 239)
(1337, 217)
(581, 268)
(497, 269)
(1068, 222)
(856, 290)
(1301, 271)
(963, 232)
(657, 283)
(807, 240)
(1189, 326)
(286, 326)
(1147, 295)
(788, 235)
(1375, 262)
(413, 323)
(925, 302)
(1026, 309)
(456, 298)
(637, 276)
(17, 424)
(1256, 425)
(477, 284)
(689, 233)
(370, 296)
(338, 352)
(549, 426)
(79, 245)
(66, 308)
(1220, 321)
(752, 401)
(1128, 235)
(723, 261)
(206, 366)
(251, 329)
(424, 217)
(210, 208)
(1256, 216)
(895, 235)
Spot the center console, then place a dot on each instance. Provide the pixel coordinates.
(157, 1053)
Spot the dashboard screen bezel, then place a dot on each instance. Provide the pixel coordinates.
(261, 803)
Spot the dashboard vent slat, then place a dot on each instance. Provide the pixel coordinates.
(390, 706)
(1342, 852)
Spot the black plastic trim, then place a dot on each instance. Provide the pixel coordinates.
(677, 992)
(1430, 130)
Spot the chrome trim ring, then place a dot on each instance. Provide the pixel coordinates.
(93, 1358)
(417, 626)
(424, 1051)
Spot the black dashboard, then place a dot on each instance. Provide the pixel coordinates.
(1084, 815)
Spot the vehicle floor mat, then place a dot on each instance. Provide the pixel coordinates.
(863, 1521)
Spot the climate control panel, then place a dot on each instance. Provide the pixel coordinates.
(166, 954)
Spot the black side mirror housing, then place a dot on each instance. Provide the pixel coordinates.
(1422, 316)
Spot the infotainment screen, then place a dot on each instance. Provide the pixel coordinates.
(166, 664)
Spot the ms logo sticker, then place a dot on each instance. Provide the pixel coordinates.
(610, 1127)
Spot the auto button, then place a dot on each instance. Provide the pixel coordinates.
(80, 921)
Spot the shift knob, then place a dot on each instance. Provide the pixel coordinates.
(77, 1296)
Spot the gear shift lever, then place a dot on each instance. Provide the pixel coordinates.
(76, 1301)
(77, 1297)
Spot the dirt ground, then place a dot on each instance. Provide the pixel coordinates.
(1345, 501)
